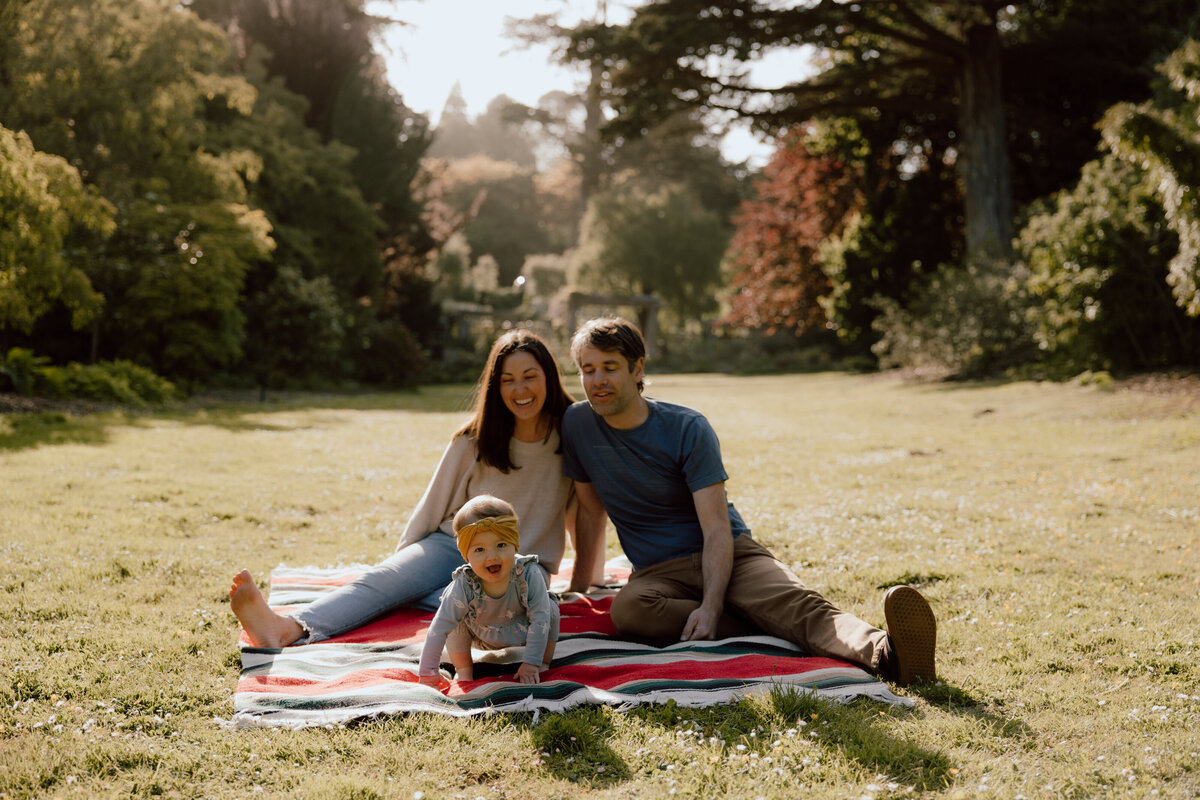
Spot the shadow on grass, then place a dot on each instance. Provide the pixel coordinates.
(859, 732)
(231, 411)
(956, 700)
(575, 746)
(241, 411)
(25, 431)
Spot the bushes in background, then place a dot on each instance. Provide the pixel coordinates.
(23, 372)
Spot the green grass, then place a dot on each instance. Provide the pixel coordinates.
(1055, 529)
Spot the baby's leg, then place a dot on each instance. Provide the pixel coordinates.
(464, 668)
(264, 626)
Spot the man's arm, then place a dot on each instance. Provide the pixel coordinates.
(590, 521)
(716, 562)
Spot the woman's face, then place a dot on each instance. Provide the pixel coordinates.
(523, 387)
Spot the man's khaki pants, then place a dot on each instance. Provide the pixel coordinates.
(763, 596)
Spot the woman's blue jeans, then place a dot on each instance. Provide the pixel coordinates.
(413, 576)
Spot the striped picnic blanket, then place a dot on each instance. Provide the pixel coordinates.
(373, 670)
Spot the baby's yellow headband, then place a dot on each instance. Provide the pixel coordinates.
(504, 527)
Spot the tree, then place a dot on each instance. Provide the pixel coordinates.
(909, 223)
(643, 238)
(321, 223)
(932, 66)
(803, 199)
(877, 54)
(574, 120)
(135, 124)
(295, 329)
(1165, 139)
(42, 200)
(317, 48)
(324, 53)
(498, 205)
(496, 133)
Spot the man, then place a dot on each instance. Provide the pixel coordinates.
(656, 469)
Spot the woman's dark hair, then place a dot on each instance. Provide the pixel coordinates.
(611, 334)
(491, 423)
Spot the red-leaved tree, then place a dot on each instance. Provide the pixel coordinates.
(802, 200)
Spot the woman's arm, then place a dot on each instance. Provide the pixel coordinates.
(446, 492)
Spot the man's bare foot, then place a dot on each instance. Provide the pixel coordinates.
(263, 626)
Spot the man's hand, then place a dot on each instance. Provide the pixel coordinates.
(528, 673)
(701, 624)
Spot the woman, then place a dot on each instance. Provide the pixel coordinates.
(509, 448)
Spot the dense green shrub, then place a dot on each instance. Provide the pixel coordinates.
(1098, 258)
(391, 355)
(967, 322)
(108, 381)
(19, 369)
(296, 327)
(754, 353)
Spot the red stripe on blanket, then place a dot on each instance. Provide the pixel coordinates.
(408, 625)
(749, 667)
(305, 580)
(307, 687)
(587, 615)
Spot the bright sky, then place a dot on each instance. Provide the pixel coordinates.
(462, 41)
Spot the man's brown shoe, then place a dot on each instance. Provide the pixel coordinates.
(912, 634)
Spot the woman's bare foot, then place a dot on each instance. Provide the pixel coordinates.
(264, 627)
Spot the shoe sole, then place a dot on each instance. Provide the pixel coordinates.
(913, 630)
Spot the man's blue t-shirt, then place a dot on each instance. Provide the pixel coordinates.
(645, 476)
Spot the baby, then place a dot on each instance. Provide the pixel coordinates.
(497, 599)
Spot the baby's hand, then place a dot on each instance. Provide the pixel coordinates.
(528, 673)
(430, 680)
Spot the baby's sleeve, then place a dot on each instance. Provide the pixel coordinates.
(543, 616)
(451, 609)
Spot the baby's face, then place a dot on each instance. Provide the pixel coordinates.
(491, 558)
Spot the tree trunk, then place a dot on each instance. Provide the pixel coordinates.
(983, 159)
(590, 168)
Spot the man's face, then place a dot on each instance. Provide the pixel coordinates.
(611, 386)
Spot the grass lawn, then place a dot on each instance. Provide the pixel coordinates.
(1055, 529)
